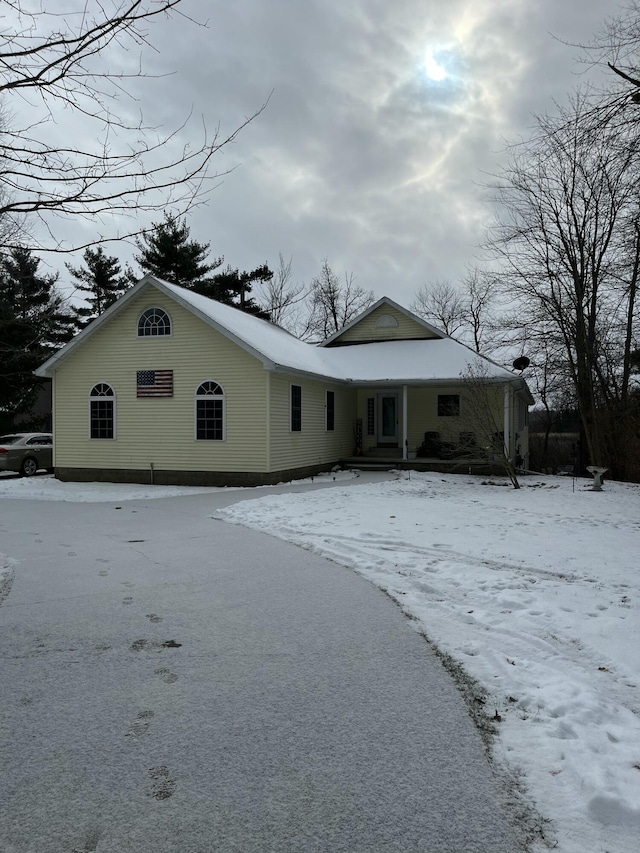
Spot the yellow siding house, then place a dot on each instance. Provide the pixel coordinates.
(168, 386)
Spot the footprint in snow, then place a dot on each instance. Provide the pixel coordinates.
(161, 786)
(140, 725)
(166, 675)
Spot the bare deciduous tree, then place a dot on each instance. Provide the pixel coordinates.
(333, 304)
(569, 238)
(614, 105)
(57, 65)
(618, 45)
(482, 324)
(466, 312)
(482, 414)
(282, 299)
(443, 304)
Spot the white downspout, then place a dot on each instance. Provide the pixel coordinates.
(405, 409)
(507, 421)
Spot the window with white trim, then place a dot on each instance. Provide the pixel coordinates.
(210, 404)
(153, 323)
(296, 408)
(102, 411)
(371, 415)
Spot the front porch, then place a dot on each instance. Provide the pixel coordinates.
(438, 426)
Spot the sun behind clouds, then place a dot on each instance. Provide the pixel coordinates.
(434, 70)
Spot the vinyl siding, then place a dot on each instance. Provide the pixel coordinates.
(161, 431)
(366, 330)
(313, 445)
(423, 416)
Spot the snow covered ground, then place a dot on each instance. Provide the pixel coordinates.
(534, 592)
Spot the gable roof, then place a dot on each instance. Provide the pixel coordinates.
(438, 333)
(430, 360)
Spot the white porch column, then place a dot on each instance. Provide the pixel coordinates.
(405, 410)
(507, 421)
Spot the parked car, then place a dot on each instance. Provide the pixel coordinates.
(26, 452)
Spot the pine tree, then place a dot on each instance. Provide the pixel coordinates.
(103, 280)
(34, 323)
(234, 288)
(167, 252)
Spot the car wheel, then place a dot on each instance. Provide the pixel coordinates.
(29, 467)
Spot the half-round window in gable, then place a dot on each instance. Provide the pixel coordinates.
(209, 389)
(210, 414)
(386, 321)
(102, 390)
(154, 322)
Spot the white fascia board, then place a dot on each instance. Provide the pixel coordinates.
(268, 363)
(321, 377)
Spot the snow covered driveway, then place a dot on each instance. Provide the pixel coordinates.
(535, 593)
(172, 684)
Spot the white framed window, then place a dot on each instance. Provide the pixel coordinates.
(371, 415)
(295, 419)
(102, 411)
(154, 323)
(330, 411)
(210, 412)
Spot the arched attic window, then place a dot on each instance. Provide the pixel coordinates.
(102, 411)
(210, 412)
(386, 321)
(153, 323)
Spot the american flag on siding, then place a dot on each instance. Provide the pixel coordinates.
(154, 383)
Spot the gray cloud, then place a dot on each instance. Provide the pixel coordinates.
(359, 156)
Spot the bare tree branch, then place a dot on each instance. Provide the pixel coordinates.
(624, 76)
(60, 64)
(281, 299)
(333, 304)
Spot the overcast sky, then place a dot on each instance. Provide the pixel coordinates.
(385, 119)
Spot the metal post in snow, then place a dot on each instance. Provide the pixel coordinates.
(507, 422)
(405, 440)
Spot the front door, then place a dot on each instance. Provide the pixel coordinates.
(388, 419)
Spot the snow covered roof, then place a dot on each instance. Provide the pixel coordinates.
(434, 360)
